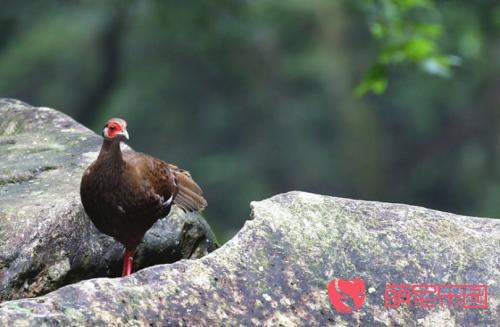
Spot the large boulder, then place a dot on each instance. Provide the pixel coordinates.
(276, 269)
(46, 241)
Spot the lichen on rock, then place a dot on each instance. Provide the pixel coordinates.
(275, 271)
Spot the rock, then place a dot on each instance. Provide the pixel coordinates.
(46, 240)
(276, 269)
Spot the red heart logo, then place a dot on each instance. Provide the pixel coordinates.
(354, 288)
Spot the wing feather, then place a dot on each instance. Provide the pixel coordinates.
(168, 179)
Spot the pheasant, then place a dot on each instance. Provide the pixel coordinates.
(125, 192)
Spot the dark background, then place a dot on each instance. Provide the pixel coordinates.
(394, 100)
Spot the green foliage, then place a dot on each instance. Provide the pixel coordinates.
(408, 33)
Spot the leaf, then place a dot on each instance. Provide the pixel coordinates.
(374, 81)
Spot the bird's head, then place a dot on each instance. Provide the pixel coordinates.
(115, 129)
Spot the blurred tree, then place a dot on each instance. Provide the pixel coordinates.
(256, 97)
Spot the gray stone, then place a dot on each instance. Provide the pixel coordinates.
(275, 271)
(46, 241)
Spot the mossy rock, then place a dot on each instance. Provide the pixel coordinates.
(275, 271)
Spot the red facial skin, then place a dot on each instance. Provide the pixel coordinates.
(113, 127)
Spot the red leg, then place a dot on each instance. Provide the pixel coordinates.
(128, 262)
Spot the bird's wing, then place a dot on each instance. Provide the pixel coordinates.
(168, 179)
(189, 195)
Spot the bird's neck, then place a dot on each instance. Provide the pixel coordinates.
(111, 152)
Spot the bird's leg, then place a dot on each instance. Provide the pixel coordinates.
(128, 262)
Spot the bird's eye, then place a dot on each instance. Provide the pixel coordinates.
(112, 127)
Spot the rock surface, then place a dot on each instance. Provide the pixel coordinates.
(275, 271)
(45, 239)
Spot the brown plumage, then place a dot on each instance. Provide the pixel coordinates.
(125, 193)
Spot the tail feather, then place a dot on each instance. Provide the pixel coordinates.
(189, 196)
(189, 201)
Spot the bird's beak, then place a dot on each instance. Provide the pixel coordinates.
(125, 134)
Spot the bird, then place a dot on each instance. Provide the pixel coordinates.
(124, 192)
